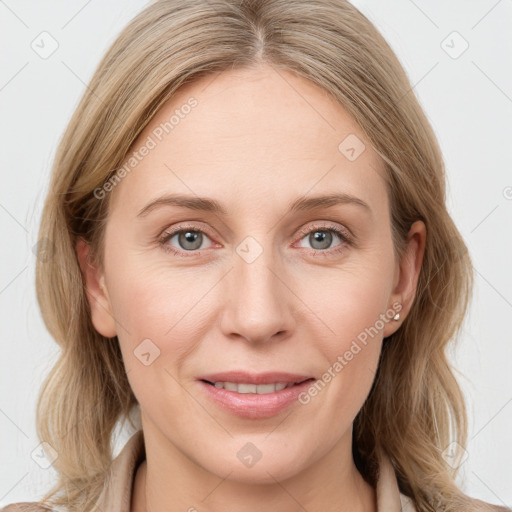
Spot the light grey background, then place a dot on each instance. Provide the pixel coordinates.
(468, 99)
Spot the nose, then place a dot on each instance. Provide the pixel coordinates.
(258, 305)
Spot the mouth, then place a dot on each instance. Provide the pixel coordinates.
(254, 396)
(259, 389)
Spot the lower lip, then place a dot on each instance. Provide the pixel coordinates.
(252, 405)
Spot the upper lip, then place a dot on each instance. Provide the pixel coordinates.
(255, 378)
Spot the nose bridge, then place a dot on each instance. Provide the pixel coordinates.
(259, 305)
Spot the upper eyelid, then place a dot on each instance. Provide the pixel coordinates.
(173, 231)
(330, 226)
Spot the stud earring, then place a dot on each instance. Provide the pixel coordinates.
(397, 317)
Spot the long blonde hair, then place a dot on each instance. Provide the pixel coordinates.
(415, 408)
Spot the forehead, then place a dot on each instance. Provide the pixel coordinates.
(248, 135)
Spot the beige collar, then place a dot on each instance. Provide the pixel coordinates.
(116, 494)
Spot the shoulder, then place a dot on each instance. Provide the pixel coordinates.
(26, 506)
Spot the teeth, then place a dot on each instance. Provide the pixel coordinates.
(260, 389)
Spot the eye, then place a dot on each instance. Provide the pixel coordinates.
(321, 237)
(189, 240)
(186, 239)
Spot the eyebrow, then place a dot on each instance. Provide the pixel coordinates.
(206, 204)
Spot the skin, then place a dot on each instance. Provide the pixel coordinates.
(256, 141)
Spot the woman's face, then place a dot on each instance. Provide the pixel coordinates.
(257, 286)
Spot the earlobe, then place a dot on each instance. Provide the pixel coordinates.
(408, 274)
(96, 292)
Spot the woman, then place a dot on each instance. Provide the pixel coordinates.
(252, 253)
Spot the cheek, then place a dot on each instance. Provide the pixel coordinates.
(160, 311)
(159, 330)
(352, 309)
(153, 298)
(350, 303)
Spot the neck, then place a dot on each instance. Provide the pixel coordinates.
(343, 489)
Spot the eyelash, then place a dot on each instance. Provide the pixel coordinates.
(342, 234)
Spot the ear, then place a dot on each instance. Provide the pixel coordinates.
(407, 273)
(96, 291)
